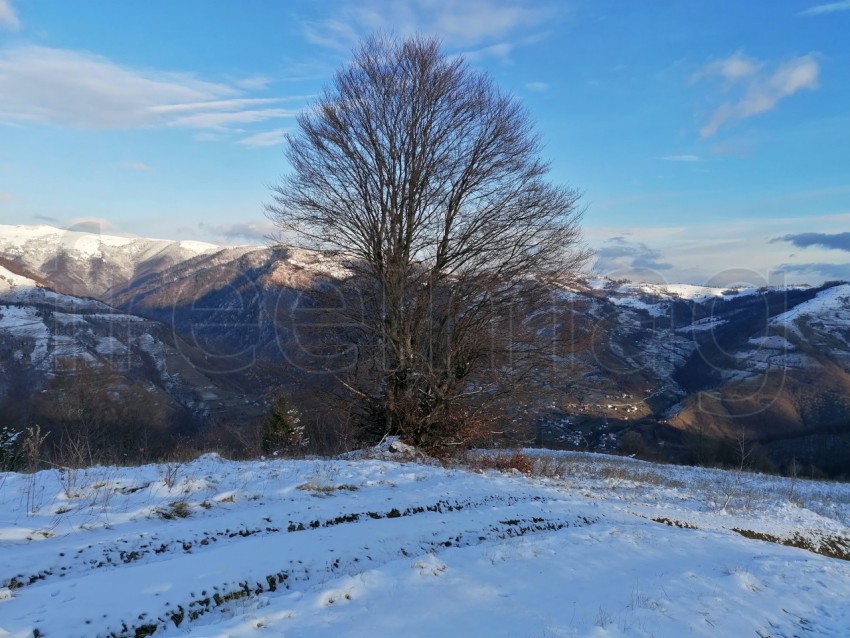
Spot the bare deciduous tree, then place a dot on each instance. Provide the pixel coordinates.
(427, 181)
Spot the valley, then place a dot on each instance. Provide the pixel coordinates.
(212, 334)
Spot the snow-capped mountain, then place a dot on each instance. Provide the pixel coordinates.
(89, 264)
(666, 360)
(45, 336)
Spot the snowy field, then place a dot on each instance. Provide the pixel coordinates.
(592, 546)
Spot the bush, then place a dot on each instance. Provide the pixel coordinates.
(631, 443)
(503, 462)
(10, 449)
(283, 431)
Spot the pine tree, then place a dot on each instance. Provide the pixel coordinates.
(283, 430)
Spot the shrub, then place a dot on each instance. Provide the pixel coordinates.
(631, 443)
(283, 430)
(503, 462)
(10, 449)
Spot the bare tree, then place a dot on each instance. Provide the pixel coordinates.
(426, 180)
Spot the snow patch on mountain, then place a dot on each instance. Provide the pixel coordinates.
(92, 263)
(25, 324)
(655, 309)
(830, 306)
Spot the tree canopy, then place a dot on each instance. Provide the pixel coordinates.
(427, 182)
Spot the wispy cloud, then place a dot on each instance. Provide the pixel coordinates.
(217, 120)
(680, 158)
(8, 18)
(836, 241)
(817, 271)
(501, 51)
(717, 252)
(735, 68)
(135, 166)
(474, 24)
(830, 7)
(537, 86)
(758, 89)
(84, 90)
(620, 255)
(254, 232)
(233, 104)
(255, 83)
(5, 197)
(266, 138)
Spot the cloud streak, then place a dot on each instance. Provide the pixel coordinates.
(256, 232)
(735, 68)
(83, 90)
(622, 256)
(758, 90)
(818, 271)
(266, 138)
(823, 9)
(8, 18)
(836, 241)
(481, 24)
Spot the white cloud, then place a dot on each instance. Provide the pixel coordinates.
(256, 83)
(67, 87)
(254, 232)
(735, 68)
(266, 138)
(72, 88)
(8, 18)
(537, 86)
(680, 158)
(474, 21)
(458, 24)
(213, 105)
(501, 50)
(217, 120)
(717, 252)
(760, 90)
(620, 257)
(831, 7)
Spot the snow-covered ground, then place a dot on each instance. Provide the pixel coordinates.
(831, 305)
(594, 546)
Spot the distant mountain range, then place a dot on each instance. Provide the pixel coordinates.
(210, 330)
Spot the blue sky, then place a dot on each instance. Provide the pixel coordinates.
(711, 139)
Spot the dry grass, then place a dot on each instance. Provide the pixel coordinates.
(324, 489)
(175, 510)
(503, 462)
(831, 545)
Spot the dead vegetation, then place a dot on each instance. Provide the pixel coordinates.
(830, 545)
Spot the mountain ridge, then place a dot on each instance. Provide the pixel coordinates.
(692, 359)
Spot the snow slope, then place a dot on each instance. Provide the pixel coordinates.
(91, 264)
(829, 306)
(43, 242)
(604, 547)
